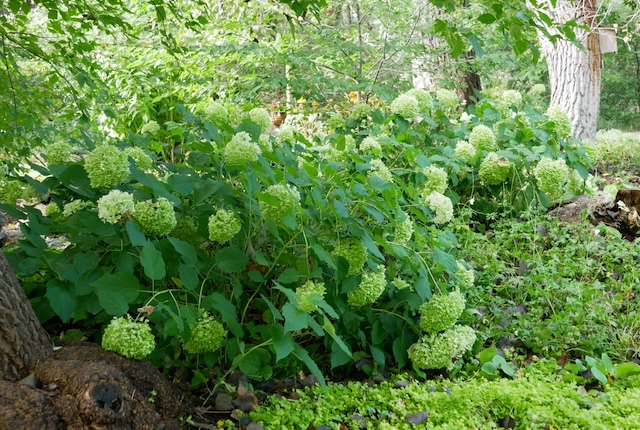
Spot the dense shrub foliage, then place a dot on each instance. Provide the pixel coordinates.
(310, 243)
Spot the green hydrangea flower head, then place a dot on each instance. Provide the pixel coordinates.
(370, 146)
(223, 226)
(370, 289)
(537, 90)
(128, 338)
(425, 101)
(380, 170)
(560, 120)
(265, 143)
(403, 231)
(437, 180)
(142, 159)
(449, 101)
(286, 135)
(58, 153)
(465, 151)
(106, 166)
(76, 206)
(308, 294)
(11, 191)
(52, 209)
(241, 150)
(155, 219)
(440, 351)
(467, 276)
(354, 252)
(495, 170)
(440, 205)
(441, 312)
(115, 206)
(288, 200)
(405, 106)
(482, 138)
(206, 336)
(511, 98)
(591, 148)
(216, 112)
(552, 176)
(259, 116)
(150, 128)
(400, 283)
(576, 184)
(335, 122)
(361, 111)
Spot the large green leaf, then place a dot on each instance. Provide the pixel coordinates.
(116, 292)
(152, 262)
(294, 318)
(256, 364)
(62, 298)
(231, 259)
(303, 356)
(282, 341)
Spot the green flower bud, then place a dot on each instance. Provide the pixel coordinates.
(115, 205)
(241, 150)
(106, 166)
(552, 176)
(223, 226)
(259, 116)
(156, 219)
(206, 336)
(495, 170)
(128, 338)
(370, 289)
(308, 294)
(405, 106)
(439, 351)
(354, 252)
(288, 200)
(437, 180)
(58, 153)
(425, 101)
(482, 138)
(441, 312)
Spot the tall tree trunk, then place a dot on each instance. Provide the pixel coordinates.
(574, 72)
(23, 341)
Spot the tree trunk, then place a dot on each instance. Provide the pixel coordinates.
(23, 341)
(574, 72)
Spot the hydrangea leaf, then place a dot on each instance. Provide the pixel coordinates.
(231, 259)
(152, 262)
(62, 298)
(116, 291)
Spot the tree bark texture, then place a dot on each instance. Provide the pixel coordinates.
(23, 341)
(574, 72)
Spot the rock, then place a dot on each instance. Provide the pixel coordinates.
(401, 384)
(417, 418)
(223, 402)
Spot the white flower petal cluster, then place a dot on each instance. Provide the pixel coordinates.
(465, 151)
(335, 122)
(308, 295)
(425, 101)
(449, 101)
(259, 116)
(437, 180)
(467, 276)
(405, 106)
(241, 150)
(115, 205)
(370, 146)
(265, 143)
(439, 351)
(156, 219)
(128, 338)
(370, 289)
(216, 112)
(361, 111)
(400, 283)
(150, 128)
(403, 231)
(495, 170)
(288, 199)
(441, 206)
(223, 226)
(354, 252)
(76, 206)
(537, 90)
(560, 120)
(380, 170)
(106, 166)
(482, 138)
(206, 336)
(552, 176)
(142, 159)
(58, 153)
(441, 312)
(511, 98)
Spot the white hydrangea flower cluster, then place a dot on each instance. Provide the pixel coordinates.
(142, 159)
(58, 152)
(439, 351)
(361, 111)
(370, 146)
(425, 101)
(354, 252)
(495, 170)
(150, 128)
(156, 219)
(537, 90)
(223, 226)
(114, 206)
(370, 289)
(482, 138)
(403, 231)
(465, 151)
(560, 120)
(76, 206)
(449, 101)
(335, 122)
(441, 312)
(285, 135)
(259, 116)
(437, 180)
(308, 294)
(51, 209)
(265, 143)
(128, 338)
(380, 170)
(400, 283)
(441, 206)
(206, 336)
(288, 199)
(106, 166)
(405, 106)
(216, 112)
(552, 176)
(467, 276)
(511, 98)
(241, 150)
